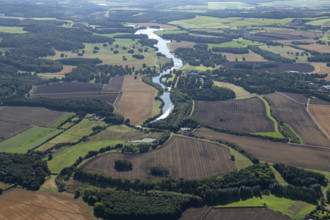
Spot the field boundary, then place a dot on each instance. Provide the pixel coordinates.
(321, 129)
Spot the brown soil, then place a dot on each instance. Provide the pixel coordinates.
(251, 56)
(321, 114)
(14, 120)
(245, 115)
(23, 204)
(296, 97)
(295, 114)
(322, 68)
(317, 47)
(311, 157)
(182, 44)
(184, 158)
(136, 102)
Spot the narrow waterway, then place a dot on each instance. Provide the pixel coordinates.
(162, 48)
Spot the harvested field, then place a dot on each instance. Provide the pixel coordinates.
(182, 44)
(23, 204)
(321, 114)
(296, 97)
(251, 56)
(295, 114)
(14, 120)
(282, 67)
(317, 101)
(239, 91)
(245, 115)
(244, 213)
(311, 157)
(66, 69)
(115, 85)
(136, 102)
(321, 68)
(195, 213)
(317, 47)
(184, 158)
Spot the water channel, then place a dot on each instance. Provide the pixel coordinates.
(162, 48)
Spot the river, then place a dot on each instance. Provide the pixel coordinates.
(162, 48)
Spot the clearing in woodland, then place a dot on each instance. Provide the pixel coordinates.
(294, 114)
(245, 115)
(310, 157)
(184, 157)
(23, 204)
(137, 100)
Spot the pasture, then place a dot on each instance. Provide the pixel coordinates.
(245, 115)
(239, 91)
(321, 114)
(137, 100)
(109, 137)
(184, 158)
(12, 30)
(236, 43)
(14, 120)
(287, 52)
(28, 139)
(295, 115)
(310, 157)
(24, 204)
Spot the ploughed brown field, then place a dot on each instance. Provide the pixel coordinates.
(311, 157)
(253, 213)
(182, 44)
(136, 102)
(296, 115)
(32, 205)
(281, 67)
(14, 120)
(317, 47)
(296, 97)
(107, 92)
(184, 158)
(245, 115)
(321, 114)
(251, 56)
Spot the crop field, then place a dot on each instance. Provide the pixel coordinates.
(136, 102)
(295, 114)
(317, 101)
(287, 52)
(239, 91)
(305, 34)
(182, 44)
(318, 22)
(301, 99)
(310, 157)
(107, 92)
(24, 204)
(66, 69)
(251, 56)
(245, 115)
(321, 114)
(73, 134)
(28, 139)
(111, 136)
(281, 67)
(184, 158)
(14, 120)
(321, 68)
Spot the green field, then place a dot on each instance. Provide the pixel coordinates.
(161, 33)
(28, 139)
(62, 120)
(73, 134)
(319, 22)
(111, 136)
(228, 5)
(200, 68)
(12, 30)
(241, 161)
(288, 52)
(237, 43)
(294, 209)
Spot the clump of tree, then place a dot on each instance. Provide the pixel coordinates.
(299, 177)
(319, 57)
(123, 165)
(138, 56)
(27, 170)
(159, 171)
